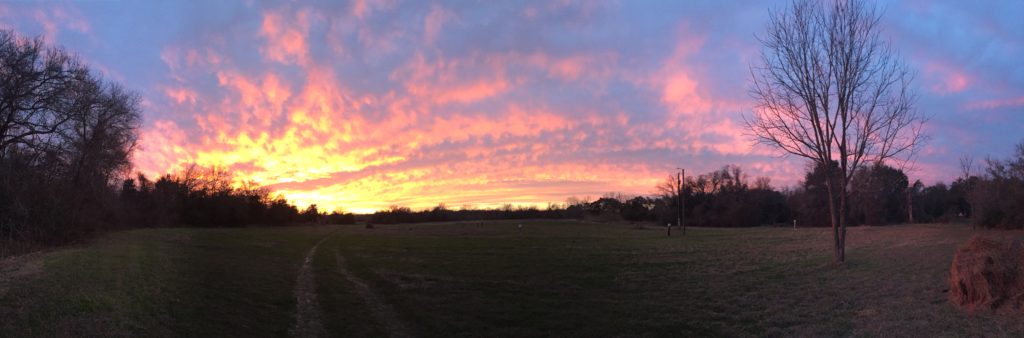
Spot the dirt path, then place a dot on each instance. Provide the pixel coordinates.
(307, 309)
(19, 267)
(383, 311)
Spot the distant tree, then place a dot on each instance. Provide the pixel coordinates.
(311, 214)
(606, 208)
(935, 203)
(997, 198)
(720, 198)
(280, 212)
(340, 217)
(637, 209)
(763, 183)
(880, 194)
(960, 191)
(828, 88)
(440, 213)
(811, 202)
(670, 191)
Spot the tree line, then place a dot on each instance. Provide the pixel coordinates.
(66, 136)
(441, 213)
(208, 197)
(66, 140)
(879, 195)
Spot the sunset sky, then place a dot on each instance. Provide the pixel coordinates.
(367, 104)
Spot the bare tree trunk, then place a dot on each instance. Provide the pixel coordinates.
(841, 255)
(836, 238)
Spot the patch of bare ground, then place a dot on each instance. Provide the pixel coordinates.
(19, 267)
(407, 281)
(307, 308)
(383, 311)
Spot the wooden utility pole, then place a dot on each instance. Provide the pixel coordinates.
(679, 195)
(682, 201)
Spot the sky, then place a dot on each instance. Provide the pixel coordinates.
(365, 104)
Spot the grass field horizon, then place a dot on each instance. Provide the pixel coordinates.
(548, 278)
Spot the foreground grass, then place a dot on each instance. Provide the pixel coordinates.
(609, 280)
(164, 282)
(494, 279)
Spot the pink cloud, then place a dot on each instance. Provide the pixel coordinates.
(162, 148)
(677, 81)
(574, 67)
(179, 59)
(707, 122)
(53, 18)
(434, 22)
(181, 94)
(362, 8)
(286, 36)
(994, 104)
(464, 80)
(945, 79)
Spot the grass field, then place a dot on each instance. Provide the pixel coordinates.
(550, 278)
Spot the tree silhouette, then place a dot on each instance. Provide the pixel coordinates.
(828, 88)
(66, 138)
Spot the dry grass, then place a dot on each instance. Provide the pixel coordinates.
(986, 275)
(599, 279)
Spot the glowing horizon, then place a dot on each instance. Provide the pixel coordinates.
(373, 103)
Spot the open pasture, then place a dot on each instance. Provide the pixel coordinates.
(548, 278)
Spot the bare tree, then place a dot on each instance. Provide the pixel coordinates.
(830, 89)
(966, 166)
(66, 138)
(34, 92)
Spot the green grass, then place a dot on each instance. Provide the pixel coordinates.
(549, 279)
(164, 282)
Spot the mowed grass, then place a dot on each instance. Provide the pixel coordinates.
(164, 282)
(550, 278)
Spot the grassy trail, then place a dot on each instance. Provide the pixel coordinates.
(307, 309)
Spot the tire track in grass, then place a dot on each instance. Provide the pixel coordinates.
(307, 308)
(381, 310)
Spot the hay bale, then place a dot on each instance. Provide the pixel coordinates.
(986, 274)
